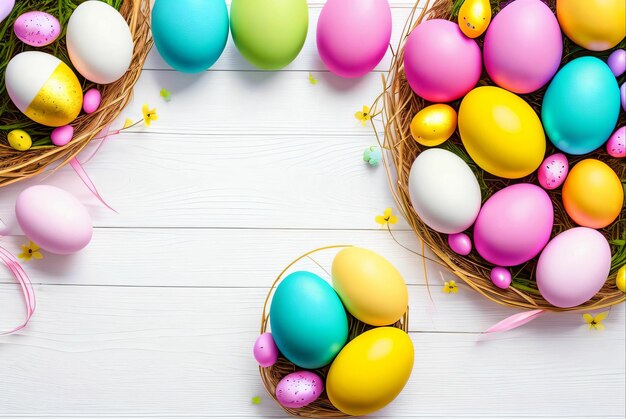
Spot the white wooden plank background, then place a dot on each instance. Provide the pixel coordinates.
(244, 171)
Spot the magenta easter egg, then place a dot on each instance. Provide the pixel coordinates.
(299, 389)
(617, 62)
(265, 350)
(37, 29)
(616, 146)
(553, 171)
(441, 63)
(573, 267)
(62, 135)
(501, 277)
(523, 46)
(91, 100)
(460, 243)
(514, 224)
(353, 35)
(53, 219)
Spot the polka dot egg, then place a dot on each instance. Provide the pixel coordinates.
(553, 171)
(37, 29)
(299, 389)
(616, 146)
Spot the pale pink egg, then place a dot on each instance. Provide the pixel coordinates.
(553, 171)
(299, 389)
(91, 101)
(62, 135)
(37, 29)
(616, 146)
(265, 350)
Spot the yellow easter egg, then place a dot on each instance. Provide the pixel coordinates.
(596, 25)
(620, 279)
(19, 140)
(434, 124)
(501, 132)
(371, 289)
(370, 371)
(593, 195)
(474, 17)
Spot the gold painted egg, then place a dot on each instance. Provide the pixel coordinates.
(620, 279)
(19, 140)
(474, 17)
(434, 124)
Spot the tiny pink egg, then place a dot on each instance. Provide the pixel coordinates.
(501, 277)
(265, 350)
(460, 243)
(37, 29)
(91, 100)
(299, 389)
(553, 171)
(617, 62)
(62, 135)
(616, 146)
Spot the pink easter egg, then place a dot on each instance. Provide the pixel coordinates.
(299, 389)
(62, 135)
(91, 100)
(573, 267)
(441, 63)
(53, 219)
(37, 29)
(553, 171)
(460, 243)
(514, 224)
(617, 62)
(501, 277)
(523, 46)
(616, 146)
(353, 35)
(265, 350)
(622, 93)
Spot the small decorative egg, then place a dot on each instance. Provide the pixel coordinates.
(620, 279)
(501, 277)
(474, 17)
(62, 135)
(460, 243)
(37, 29)
(434, 124)
(617, 62)
(19, 140)
(91, 101)
(265, 350)
(6, 6)
(373, 155)
(299, 389)
(553, 171)
(616, 146)
(622, 93)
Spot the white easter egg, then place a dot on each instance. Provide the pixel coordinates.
(444, 191)
(99, 42)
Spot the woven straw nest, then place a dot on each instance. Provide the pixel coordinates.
(398, 105)
(17, 165)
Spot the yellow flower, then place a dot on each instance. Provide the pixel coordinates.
(386, 218)
(128, 123)
(29, 251)
(148, 114)
(312, 79)
(363, 115)
(450, 287)
(595, 322)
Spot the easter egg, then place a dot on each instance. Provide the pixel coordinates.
(265, 350)
(37, 29)
(553, 171)
(616, 146)
(474, 17)
(593, 195)
(434, 124)
(573, 267)
(190, 35)
(596, 25)
(308, 321)
(269, 33)
(353, 35)
(371, 289)
(99, 42)
(500, 277)
(523, 46)
(617, 62)
(460, 243)
(501, 132)
(441, 64)
(444, 191)
(62, 135)
(620, 279)
(54, 219)
(44, 88)
(581, 106)
(19, 140)
(371, 371)
(622, 94)
(299, 389)
(6, 7)
(91, 101)
(514, 224)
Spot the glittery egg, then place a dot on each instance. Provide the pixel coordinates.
(474, 17)
(62, 135)
(553, 171)
(434, 124)
(37, 29)
(44, 88)
(616, 146)
(19, 140)
(265, 350)
(92, 100)
(299, 389)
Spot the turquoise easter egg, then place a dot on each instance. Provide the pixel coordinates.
(309, 324)
(581, 106)
(190, 35)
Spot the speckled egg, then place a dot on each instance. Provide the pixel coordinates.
(616, 146)
(19, 140)
(553, 171)
(299, 389)
(265, 350)
(37, 29)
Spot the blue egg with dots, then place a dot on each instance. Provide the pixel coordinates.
(190, 35)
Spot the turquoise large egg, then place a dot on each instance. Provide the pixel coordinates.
(190, 35)
(581, 106)
(309, 324)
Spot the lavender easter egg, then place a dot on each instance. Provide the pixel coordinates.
(265, 350)
(62, 135)
(553, 171)
(37, 29)
(617, 62)
(622, 94)
(616, 146)
(299, 389)
(6, 7)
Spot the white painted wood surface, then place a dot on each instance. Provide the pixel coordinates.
(244, 171)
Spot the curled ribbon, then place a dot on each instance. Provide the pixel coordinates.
(25, 285)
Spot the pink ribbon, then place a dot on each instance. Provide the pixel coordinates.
(88, 182)
(515, 321)
(26, 286)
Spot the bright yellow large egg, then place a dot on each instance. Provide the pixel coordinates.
(501, 132)
(370, 371)
(596, 25)
(434, 124)
(474, 17)
(593, 195)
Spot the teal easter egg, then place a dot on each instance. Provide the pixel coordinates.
(581, 106)
(190, 35)
(269, 33)
(309, 324)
